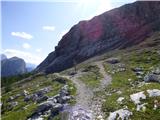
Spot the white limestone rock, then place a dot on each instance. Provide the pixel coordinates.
(137, 96)
(123, 114)
(141, 107)
(154, 92)
(120, 100)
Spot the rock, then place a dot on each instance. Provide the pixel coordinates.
(100, 117)
(43, 107)
(79, 113)
(104, 33)
(64, 91)
(137, 97)
(55, 98)
(38, 96)
(41, 99)
(72, 73)
(44, 90)
(113, 60)
(64, 99)
(139, 73)
(141, 107)
(48, 106)
(10, 99)
(156, 104)
(60, 80)
(36, 118)
(119, 92)
(154, 93)
(137, 69)
(25, 93)
(27, 98)
(120, 99)
(13, 104)
(121, 114)
(156, 71)
(129, 79)
(152, 78)
(56, 109)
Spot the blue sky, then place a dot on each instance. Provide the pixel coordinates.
(31, 29)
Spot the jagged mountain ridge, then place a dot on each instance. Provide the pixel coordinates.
(13, 66)
(116, 29)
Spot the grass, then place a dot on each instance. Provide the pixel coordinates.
(92, 76)
(147, 59)
(21, 114)
(39, 82)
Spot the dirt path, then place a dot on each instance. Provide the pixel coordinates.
(106, 78)
(84, 93)
(88, 106)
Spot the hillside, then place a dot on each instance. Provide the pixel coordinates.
(101, 87)
(116, 29)
(118, 80)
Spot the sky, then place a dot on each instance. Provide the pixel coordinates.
(32, 28)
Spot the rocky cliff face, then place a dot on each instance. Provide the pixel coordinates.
(116, 29)
(12, 66)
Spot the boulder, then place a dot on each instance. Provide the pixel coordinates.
(141, 107)
(27, 98)
(151, 77)
(121, 114)
(41, 99)
(154, 92)
(25, 93)
(79, 113)
(113, 60)
(13, 104)
(137, 69)
(60, 80)
(47, 107)
(120, 100)
(136, 97)
(64, 91)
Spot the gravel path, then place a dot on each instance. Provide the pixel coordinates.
(88, 106)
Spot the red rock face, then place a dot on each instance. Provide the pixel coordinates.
(116, 29)
(92, 30)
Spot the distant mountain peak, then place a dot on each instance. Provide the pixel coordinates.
(12, 66)
(3, 57)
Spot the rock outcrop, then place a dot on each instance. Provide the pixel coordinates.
(12, 66)
(116, 29)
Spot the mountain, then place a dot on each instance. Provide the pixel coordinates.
(30, 67)
(119, 28)
(12, 66)
(3, 56)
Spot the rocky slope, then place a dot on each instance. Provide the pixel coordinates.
(116, 29)
(12, 66)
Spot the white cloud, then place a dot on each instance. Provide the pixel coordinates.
(62, 33)
(28, 57)
(48, 28)
(38, 50)
(26, 46)
(22, 35)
